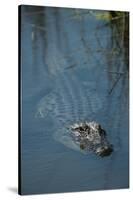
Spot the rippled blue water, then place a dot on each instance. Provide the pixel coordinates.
(74, 67)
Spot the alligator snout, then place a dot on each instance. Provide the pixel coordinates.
(104, 151)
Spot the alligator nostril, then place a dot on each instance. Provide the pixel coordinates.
(106, 152)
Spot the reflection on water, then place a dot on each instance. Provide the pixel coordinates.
(74, 68)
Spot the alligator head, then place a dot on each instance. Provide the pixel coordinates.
(90, 136)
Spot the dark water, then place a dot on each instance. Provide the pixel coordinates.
(74, 68)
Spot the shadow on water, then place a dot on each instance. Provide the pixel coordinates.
(74, 68)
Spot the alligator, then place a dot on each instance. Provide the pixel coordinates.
(75, 96)
(68, 108)
(90, 136)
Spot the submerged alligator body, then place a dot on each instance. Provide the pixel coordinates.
(67, 107)
(91, 137)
